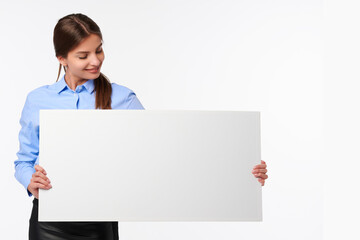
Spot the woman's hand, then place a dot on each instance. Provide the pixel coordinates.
(260, 171)
(39, 180)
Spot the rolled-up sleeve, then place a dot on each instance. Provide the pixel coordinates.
(28, 145)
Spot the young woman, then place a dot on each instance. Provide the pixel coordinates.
(78, 47)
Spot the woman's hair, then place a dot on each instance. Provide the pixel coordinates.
(68, 33)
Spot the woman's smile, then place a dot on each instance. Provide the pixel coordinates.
(93, 70)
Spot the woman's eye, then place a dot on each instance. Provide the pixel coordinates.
(97, 52)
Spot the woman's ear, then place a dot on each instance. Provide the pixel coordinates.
(62, 61)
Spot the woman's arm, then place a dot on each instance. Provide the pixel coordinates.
(29, 147)
(124, 98)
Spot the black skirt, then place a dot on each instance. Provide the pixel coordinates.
(70, 230)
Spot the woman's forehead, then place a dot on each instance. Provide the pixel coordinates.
(88, 44)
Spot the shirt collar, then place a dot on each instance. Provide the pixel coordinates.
(62, 85)
(89, 85)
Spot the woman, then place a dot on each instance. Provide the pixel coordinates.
(78, 47)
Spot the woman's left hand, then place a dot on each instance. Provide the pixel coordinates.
(260, 171)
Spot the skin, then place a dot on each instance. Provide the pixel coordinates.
(39, 180)
(259, 171)
(89, 55)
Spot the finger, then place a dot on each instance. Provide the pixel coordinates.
(40, 169)
(34, 186)
(42, 186)
(261, 166)
(259, 171)
(261, 175)
(41, 175)
(263, 162)
(38, 180)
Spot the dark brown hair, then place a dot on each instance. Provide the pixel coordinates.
(68, 33)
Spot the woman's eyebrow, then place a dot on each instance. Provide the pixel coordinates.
(88, 51)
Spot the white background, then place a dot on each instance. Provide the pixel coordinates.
(206, 55)
(342, 118)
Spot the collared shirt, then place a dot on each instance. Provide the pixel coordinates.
(58, 96)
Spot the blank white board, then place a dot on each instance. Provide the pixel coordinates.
(145, 165)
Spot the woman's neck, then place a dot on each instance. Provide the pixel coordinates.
(72, 82)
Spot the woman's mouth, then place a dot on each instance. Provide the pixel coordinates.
(93, 70)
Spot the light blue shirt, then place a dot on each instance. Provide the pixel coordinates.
(58, 96)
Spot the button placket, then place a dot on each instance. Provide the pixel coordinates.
(76, 98)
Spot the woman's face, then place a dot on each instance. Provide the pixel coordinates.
(85, 60)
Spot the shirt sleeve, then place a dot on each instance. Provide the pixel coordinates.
(133, 102)
(28, 146)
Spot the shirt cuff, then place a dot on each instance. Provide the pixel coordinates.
(26, 178)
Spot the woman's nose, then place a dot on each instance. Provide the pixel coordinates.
(95, 60)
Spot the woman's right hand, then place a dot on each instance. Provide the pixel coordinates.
(39, 180)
